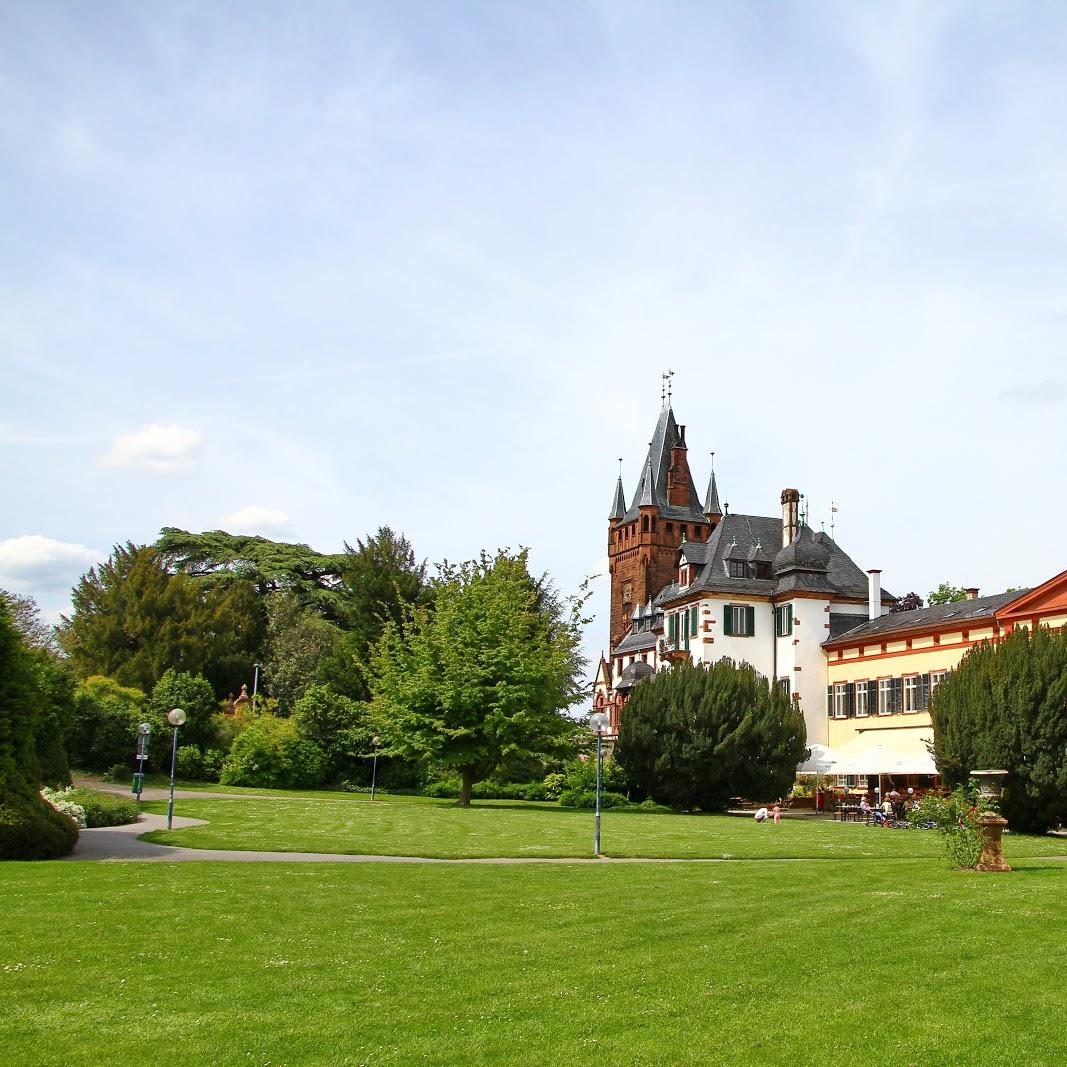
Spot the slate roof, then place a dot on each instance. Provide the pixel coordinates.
(652, 488)
(694, 552)
(960, 611)
(639, 642)
(711, 500)
(815, 564)
(841, 623)
(618, 505)
(634, 673)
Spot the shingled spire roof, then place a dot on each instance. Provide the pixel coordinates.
(711, 499)
(618, 507)
(652, 488)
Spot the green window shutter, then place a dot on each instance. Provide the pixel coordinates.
(693, 620)
(672, 627)
(896, 694)
(750, 621)
(728, 622)
(924, 692)
(788, 619)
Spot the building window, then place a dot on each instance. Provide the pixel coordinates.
(936, 678)
(783, 620)
(783, 684)
(885, 696)
(670, 528)
(841, 700)
(911, 694)
(683, 576)
(860, 700)
(739, 620)
(737, 568)
(762, 571)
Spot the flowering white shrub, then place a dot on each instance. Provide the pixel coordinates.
(58, 799)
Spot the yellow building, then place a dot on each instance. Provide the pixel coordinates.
(880, 675)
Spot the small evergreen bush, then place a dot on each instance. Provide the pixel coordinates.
(586, 798)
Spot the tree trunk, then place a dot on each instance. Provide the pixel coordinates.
(464, 799)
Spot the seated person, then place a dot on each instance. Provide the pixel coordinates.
(865, 808)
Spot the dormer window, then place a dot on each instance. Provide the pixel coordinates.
(762, 570)
(683, 575)
(737, 568)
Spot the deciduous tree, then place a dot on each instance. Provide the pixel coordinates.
(482, 675)
(947, 594)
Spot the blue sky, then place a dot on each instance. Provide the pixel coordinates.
(308, 270)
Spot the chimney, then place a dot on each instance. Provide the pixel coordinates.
(874, 586)
(790, 516)
(972, 592)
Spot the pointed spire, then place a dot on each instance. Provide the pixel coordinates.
(647, 497)
(711, 500)
(618, 507)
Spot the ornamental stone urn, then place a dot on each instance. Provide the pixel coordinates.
(990, 786)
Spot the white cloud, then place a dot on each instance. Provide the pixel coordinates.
(163, 449)
(252, 520)
(33, 563)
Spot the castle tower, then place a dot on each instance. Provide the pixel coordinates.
(643, 538)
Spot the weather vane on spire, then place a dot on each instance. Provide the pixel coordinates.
(667, 380)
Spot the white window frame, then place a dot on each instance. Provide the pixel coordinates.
(885, 696)
(910, 694)
(860, 699)
(739, 620)
(936, 678)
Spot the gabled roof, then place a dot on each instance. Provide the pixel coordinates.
(634, 673)
(652, 488)
(939, 616)
(1047, 598)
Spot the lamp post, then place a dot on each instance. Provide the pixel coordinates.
(255, 687)
(599, 724)
(176, 717)
(144, 732)
(375, 741)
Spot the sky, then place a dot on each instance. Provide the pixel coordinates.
(308, 270)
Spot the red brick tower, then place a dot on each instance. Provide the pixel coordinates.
(644, 537)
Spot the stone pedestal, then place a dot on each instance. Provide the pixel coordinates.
(992, 850)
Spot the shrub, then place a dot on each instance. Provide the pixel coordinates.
(586, 798)
(31, 829)
(104, 809)
(955, 817)
(119, 772)
(190, 762)
(554, 784)
(61, 801)
(270, 755)
(212, 762)
(103, 730)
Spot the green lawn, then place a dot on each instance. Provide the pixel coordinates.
(862, 962)
(411, 826)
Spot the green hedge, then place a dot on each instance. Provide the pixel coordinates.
(105, 809)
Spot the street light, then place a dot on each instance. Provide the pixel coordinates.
(599, 724)
(144, 732)
(176, 717)
(375, 741)
(255, 687)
